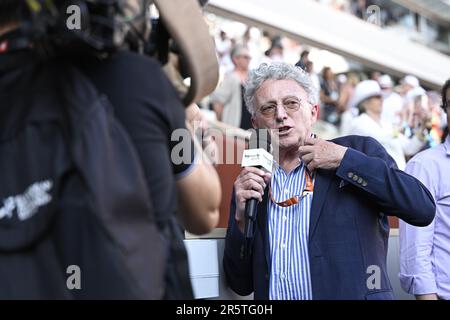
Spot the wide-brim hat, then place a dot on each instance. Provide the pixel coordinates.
(364, 90)
(385, 81)
(411, 80)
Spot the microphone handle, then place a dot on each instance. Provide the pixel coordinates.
(250, 216)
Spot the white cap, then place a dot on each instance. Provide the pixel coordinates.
(342, 78)
(415, 92)
(385, 81)
(411, 80)
(365, 90)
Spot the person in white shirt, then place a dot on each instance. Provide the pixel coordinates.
(368, 99)
(227, 101)
(392, 102)
(223, 48)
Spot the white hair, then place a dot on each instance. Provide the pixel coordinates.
(277, 71)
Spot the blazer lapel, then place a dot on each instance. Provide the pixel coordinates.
(263, 225)
(321, 185)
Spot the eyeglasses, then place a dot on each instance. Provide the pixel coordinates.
(309, 188)
(290, 106)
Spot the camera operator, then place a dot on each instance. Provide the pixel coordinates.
(148, 107)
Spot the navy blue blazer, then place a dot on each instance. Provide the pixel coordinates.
(348, 230)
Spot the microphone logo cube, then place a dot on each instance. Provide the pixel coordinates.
(257, 158)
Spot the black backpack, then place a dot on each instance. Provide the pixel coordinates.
(76, 220)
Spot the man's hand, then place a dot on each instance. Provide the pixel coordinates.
(250, 183)
(195, 120)
(320, 154)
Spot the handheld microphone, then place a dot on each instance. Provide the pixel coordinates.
(256, 155)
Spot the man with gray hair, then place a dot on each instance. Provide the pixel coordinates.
(227, 100)
(321, 228)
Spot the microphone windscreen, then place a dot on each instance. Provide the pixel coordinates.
(258, 152)
(259, 138)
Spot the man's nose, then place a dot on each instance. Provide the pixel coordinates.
(281, 113)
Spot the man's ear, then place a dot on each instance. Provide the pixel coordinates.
(315, 112)
(254, 122)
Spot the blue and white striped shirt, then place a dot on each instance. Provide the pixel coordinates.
(288, 237)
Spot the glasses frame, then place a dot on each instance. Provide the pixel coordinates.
(288, 110)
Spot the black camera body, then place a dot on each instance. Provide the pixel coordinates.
(55, 27)
(101, 27)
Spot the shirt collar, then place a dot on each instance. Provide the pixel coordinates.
(276, 166)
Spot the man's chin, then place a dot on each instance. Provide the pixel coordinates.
(286, 144)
